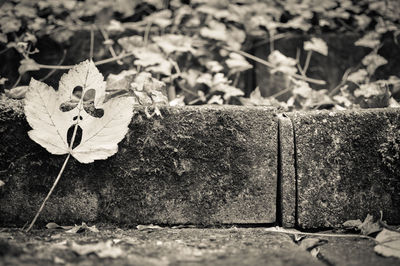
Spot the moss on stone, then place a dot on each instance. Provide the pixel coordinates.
(200, 165)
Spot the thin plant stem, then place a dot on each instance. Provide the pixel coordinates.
(110, 47)
(91, 43)
(101, 62)
(268, 64)
(54, 70)
(307, 63)
(298, 62)
(17, 82)
(279, 93)
(147, 33)
(48, 195)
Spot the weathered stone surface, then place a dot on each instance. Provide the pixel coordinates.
(166, 246)
(352, 252)
(347, 165)
(287, 172)
(199, 165)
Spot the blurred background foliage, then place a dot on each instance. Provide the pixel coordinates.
(293, 54)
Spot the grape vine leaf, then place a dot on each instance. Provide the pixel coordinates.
(50, 124)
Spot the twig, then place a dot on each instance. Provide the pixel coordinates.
(101, 62)
(17, 82)
(50, 192)
(147, 33)
(110, 47)
(268, 64)
(279, 93)
(5, 50)
(307, 63)
(288, 231)
(91, 43)
(298, 62)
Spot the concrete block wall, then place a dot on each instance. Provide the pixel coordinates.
(212, 165)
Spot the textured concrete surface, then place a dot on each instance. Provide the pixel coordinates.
(198, 165)
(347, 166)
(287, 172)
(187, 246)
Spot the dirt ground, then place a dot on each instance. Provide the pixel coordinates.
(149, 245)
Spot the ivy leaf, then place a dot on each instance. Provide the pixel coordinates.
(28, 64)
(50, 124)
(389, 243)
(360, 76)
(373, 61)
(237, 63)
(17, 92)
(171, 43)
(282, 63)
(316, 45)
(215, 30)
(370, 40)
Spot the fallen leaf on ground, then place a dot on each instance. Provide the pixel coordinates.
(101, 249)
(352, 223)
(388, 243)
(56, 226)
(83, 227)
(2, 183)
(369, 226)
(17, 92)
(149, 227)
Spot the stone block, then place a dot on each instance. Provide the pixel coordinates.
(347, 165)
(286, 173)
(201, 165)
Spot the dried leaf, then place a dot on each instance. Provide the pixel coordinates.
(352, 223)
(101, 249)
(149, 227)
(2, 183)
(17, 92)
(82, 228)
(369, 226)
(317, 45)
(100, 136)
(389, 243)
(56, 226)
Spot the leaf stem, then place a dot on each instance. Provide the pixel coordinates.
(268, 64)
(307, 63)
(50, 192)
(101, 62)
